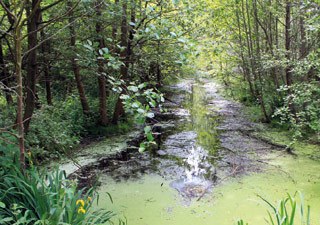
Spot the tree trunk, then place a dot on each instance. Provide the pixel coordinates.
(249, 49)
(289, 68)
(75, 66)
(245, 68)
(129, 55)
(46, 48)
(103, 120)
(303, 46)
(288, 43)
(119, 109)
(114, 31)
(18, 72)
(258, 62)
(33, 12)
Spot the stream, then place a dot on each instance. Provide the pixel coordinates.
(208, 168)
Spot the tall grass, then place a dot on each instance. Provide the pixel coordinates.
(286, 212)
(32, 198)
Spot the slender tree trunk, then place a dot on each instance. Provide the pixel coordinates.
(288, 43)
(258, 61)
(246, 71)
(289, 68)
(33, 12)
(46, 49)
(101, 75)
(119, 109)
(18, 72)
(249, 49)
(158, 67)
(75, 66)
(4, 76)
(303, 46)
(131, 34)
(246, 16)
(114, 31)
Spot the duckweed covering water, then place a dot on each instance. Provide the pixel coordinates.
(247, 167)
(151, 201)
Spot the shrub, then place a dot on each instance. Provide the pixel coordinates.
(304, 98)
(55, 129)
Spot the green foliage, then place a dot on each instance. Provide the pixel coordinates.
(305, 99)
(122, 127)
(56, 129)
(139, 102)
(32, 198)
(7, 115)
(9, 152)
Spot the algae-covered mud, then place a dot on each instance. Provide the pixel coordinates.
(208, 168)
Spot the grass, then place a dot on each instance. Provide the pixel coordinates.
(32, 198)
(286, 212)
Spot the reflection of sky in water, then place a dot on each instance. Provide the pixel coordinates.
(202, 122)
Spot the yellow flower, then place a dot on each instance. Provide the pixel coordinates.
(89, 199)
(81, 210)
(80, 202)
(29, 154)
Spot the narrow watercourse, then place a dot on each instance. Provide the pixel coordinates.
(209, 166)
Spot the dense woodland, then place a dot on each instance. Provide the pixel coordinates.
(274, 47)
(65, 65)
(73, 69)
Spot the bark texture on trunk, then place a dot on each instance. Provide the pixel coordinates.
(33, 12)
(103, 120)
(119, 109)
(74, 64)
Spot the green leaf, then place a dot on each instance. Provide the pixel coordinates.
(7, 219)
(181, 40)
(89, 47)
(173, 34)
(141, 86)
(124, 97)
(150, 115)
(142, 147)
(133, 88)
(2, 205)
(150, 136)
(140, 111)
(147, 129)
(135, 105)
(153, 103)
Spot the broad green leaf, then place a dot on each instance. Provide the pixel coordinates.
(2, 205)
(150, 137)
(133, 88)
(150, 115)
